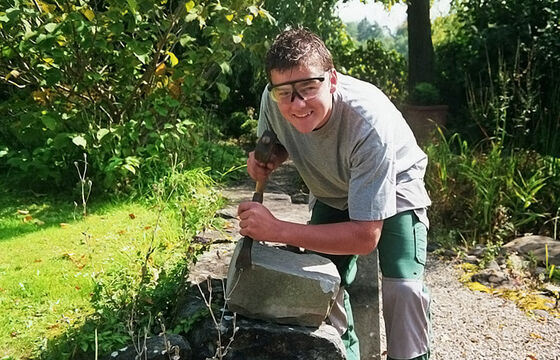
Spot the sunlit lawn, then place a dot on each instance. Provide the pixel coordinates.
(48, 258)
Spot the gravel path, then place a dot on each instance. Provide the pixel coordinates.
(475, 325)
(465, 324)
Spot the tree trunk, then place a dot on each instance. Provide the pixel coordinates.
(420, 48)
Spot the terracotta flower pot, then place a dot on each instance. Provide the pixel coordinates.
(423, 120)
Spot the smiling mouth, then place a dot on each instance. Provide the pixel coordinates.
(302, 115)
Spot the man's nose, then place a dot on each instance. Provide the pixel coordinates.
(294, 94)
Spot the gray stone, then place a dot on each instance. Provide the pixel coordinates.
(492, 277)
(364, 297)
(212, 263)
(471, 259)
(477, 251)
(516, 262)
(261, 340)
(552, 290)
(540, 271)
(493, 265)
(540, 313)
(279, 197)
(535, 245)
(450, 253)
(300, 198)
(170, 347)
(191, 306)
(282, 286)
(227, 213)
(501, 260)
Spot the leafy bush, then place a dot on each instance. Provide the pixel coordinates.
(500, 187)
(510, 44)
(126, 82)
(424, 94)
(485, 194)
(373, 63)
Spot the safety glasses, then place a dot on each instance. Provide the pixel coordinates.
(305, 89)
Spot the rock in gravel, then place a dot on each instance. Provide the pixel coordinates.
(492, 277)
(493, 265)
(471, 259)
(517, 263)
(536, 245)
(477, 251)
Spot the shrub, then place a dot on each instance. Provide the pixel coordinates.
(135, 293)
(518, 38)
(424, 94)
(125, 82)
(485, 194)
(373, 63)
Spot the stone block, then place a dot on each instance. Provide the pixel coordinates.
(263, 340)
(282, 286)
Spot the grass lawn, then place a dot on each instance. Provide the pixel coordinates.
(49, 256)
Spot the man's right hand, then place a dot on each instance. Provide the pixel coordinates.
(259, 171)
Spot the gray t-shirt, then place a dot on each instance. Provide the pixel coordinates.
(364, 159)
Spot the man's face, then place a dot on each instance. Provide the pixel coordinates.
(305, 113)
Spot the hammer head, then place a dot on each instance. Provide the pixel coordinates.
(265, 146)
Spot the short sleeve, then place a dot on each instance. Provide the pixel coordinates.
(372, 188)
(264, 115)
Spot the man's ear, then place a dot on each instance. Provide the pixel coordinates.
(333, 80)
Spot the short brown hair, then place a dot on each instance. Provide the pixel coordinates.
(297, 47)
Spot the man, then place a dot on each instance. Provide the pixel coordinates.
(364, 171)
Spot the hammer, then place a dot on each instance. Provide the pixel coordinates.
(263, 153)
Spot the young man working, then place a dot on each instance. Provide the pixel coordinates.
(364, 171)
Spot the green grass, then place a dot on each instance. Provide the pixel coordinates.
(48, 262)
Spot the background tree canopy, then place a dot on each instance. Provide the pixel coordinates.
(512, 50)
(125, 82)
(130, 83)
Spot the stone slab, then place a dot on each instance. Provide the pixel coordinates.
(262, 340)
(282, 286)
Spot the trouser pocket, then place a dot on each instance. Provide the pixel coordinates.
(420, 241)
(402, 247)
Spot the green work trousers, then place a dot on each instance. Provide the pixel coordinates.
(391, 258)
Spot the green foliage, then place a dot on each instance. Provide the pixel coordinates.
(112, 275)
(501, 186)
(373, 63)
(485, 194)
(552, 272)
(424, 94)
(491, 251)
(125, 82)
(509, 45)
(366, 30)
(142, 285)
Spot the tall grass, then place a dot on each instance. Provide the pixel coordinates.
(498, 188)
(484, 194)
